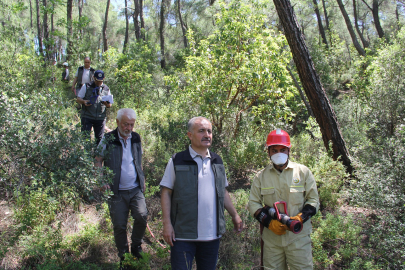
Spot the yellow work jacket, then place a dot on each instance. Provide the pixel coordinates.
(295, 185)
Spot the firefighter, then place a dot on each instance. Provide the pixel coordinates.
(284, 180)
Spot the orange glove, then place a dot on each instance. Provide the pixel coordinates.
(297, 217)
(277, 227)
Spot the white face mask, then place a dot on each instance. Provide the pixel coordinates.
(279, 158)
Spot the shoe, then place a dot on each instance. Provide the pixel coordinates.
(136, 251)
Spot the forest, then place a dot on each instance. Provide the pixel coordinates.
(330, 73)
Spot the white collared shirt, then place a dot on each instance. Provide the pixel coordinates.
(128, 171)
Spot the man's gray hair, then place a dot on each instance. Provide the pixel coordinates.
(130, 113)
(87, 57)
(191, 122)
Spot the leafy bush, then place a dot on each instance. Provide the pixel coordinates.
(135, 263)
(40, 245)
(42, 149)
(131, 75)
(335, 240)
(329, 174)
(237, 76)
(386, 90)
(381, 188)
(35, 209)
(240, 251)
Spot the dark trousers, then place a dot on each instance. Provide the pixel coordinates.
(120, 205)
(182, 254)
(97, 125)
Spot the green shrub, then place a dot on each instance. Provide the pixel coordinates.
(42, 149)
(238, 250)
(329, 174)
(380, 187)
(35, 209)
(90, 241)
(40, 245)
(135, 263)
(335, 239)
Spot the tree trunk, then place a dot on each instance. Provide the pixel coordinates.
(39, 28)
(325, 12)
(311, 83)
(53, 44)
(124, 47)
(356, 44)
(376, 17)
(99, 47)
(141, 19)
(326, 15)
(60, 48)
(31, 13)
(52, 26)
(136, 21)
(396, 16)
(46, 31)
(320, 26)
(182, 25)
(356, 24)
(161, 33)
(105, 27)
(80, 8)
(69, 33)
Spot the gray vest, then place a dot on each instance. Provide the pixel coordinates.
(184, 207)
(98, 110)
(113, 159)
(80, 71)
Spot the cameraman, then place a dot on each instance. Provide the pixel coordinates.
(94, 109)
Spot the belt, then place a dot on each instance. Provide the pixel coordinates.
(127, 190)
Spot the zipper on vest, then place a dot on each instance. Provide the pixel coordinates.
(216, 194)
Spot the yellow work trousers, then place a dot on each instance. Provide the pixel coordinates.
(298, 255)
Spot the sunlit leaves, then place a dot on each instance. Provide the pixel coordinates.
(239, 69)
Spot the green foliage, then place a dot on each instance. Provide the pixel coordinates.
(89, 239)
(386, 90)
(41, 245)
(131, 75)
(381, 188)
(44, 246)
(135, 263)
(163, 252)
(36, 152)
(238, 71)
(334, 240)
(237, 250)
(242, 156)
(333, 65)
(35, 209)
(329, 174)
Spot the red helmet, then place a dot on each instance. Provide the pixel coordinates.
(278, 137)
